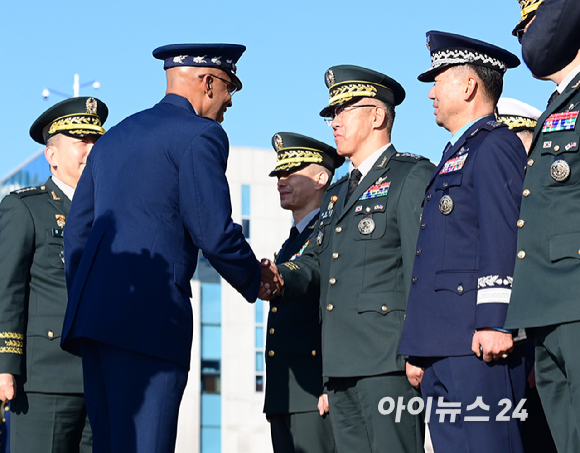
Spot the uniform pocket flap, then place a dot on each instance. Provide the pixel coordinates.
(49, 327)
(458, 282)
(447, 181)
(565, 246)
(181, 278)
(382, 303)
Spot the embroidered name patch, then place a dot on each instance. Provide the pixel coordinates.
(378, 190)
(565, 121)
(300, 251)
(454, 164)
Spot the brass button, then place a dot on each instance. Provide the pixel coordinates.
(521, 254)
(368, 209)
(50, 334)
(272, 331)
(414, 280)
(335, 255)
(460, 289)
(557, 148)
(384, 308)
(521, 223)
(338, 229)
(330, 307)
(313, 353)
(274, 309)
(332, 281)
(526, 192)
(531, 161)
(271, 353)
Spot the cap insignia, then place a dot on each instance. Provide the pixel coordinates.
(278, 143)
(199, 60)
(450, 57)
(217, 61)
(344, 93)
(330, 79)
(91, 106)
(179, 59)
(429, 42)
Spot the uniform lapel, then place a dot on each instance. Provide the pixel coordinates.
(289, 249)
(555, 106)
(459, 144)
(378, 170)
(57, 197)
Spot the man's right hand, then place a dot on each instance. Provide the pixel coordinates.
(7, 387)
(415, 375)
(272, 283)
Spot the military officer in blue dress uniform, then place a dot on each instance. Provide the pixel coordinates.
(153, 194)
(360, 257)
(304, 169)
(44, 383)
(547, 271)
(463, 270)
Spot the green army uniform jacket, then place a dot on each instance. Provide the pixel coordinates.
(293, 351)
(361, 256)
(546, 284)
(33, 293)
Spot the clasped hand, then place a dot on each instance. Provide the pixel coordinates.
(271, 282)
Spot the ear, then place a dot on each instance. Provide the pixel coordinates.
(379, 117)
(470, 87)
(321, 180)
(207, 85)
(51, 156)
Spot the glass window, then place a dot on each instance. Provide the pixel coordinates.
(245, 200)
(259, 361)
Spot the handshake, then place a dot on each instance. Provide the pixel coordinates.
(271, 282)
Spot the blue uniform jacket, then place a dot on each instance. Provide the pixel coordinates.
(153, 193)
(463, 270)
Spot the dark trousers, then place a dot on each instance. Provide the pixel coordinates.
(303, 432)
(358, 425)
(49, 423)
(558, 382)
(467, 380)
(132, 399)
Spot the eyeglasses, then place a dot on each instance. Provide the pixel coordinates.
(341, 109)
(520, 34)
(232, 88)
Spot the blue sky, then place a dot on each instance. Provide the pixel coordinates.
(290, 46)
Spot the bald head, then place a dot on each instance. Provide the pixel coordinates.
(205, 88)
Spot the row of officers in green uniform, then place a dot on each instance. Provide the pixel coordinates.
(404, 280)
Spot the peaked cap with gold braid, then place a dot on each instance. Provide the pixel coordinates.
(348, 83)
(297, 151)
(529, 8)
(518, 115)
(75, 117)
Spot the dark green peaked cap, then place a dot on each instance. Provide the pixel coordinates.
(76, 117)
(297, 151)
(349, 83)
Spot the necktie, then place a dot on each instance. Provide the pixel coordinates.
(553, 97)
(447, 148)
(353, 181)
(293, 234)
